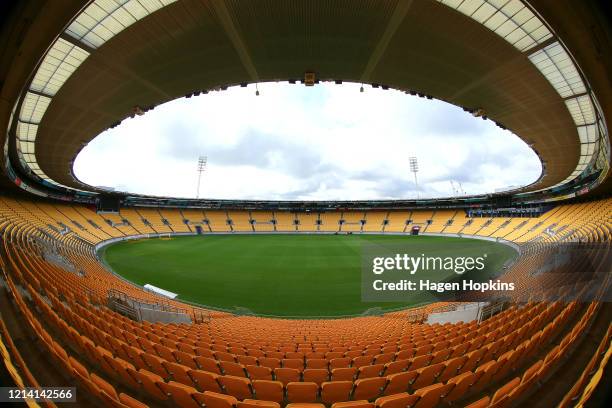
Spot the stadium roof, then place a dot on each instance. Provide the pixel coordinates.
(75, 68)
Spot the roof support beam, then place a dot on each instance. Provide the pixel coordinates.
(401, 9)
(39, 93)
(77, 43)
(230, 29)
(540, 46)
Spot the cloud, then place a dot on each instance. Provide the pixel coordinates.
(298, 143)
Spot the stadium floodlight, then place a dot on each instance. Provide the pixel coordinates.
(414, 168)
(202, 161)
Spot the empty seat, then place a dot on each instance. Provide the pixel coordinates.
(361, 361)
(130, 402)
(462, 383)
(302, 391)
(427, 375)
(501, 398)
(343, 374)
(207, 364)
(353, 404)
(179, 373)
(250, 403)
(287, 375)
(369, 371)
(341, 362)
(268, 390)
(293, 363)
(259, 372)
(104, 386)
(216, 400)
(419, 362)
(431, 395)
(184, 358)
(400, 382)
(238, 387)
(317, 375)
(368, 388)
(181, 394)
(397, 366)
(451, 368)
(401, 400)
(205, 381)
(316, 363)
(336, 391)
(481, 403)
(231, 368)
(148, 382)
(304, 405)
(269, 362)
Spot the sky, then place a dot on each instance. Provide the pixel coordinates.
(327, 142)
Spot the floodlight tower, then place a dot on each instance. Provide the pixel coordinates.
(202, 160)
(414, 168)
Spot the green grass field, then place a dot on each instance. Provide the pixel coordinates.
(281, 275)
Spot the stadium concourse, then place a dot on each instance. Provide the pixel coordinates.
(74, 68)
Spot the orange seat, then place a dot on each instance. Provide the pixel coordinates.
(343, 374)
(268, 390)
(397, 366)
(269, 362)
(205, 381)
(317, 375)
(302, 391)
(184, 358)
(462, 383)
(501, 398)
(369, 371)
(286, 375)
(336, 391)
(104, 386)
(250, 403)
(120, 368)
(314, 363)
(304, 405)
(231, 368)
(223, 356)
(181, 394)
(361, 361)
(179, 372)
(484, 374)
(419, 362)
(256, 372)
(238, 387)
(247, 360)
(400, 382)
(342, 362)
(216, 400)
(451, 368)
(368, 388)
(353, 404)
(400, 400)
(148, 382)
(427, 375)
(130, 402)
(293, 363)
(481, 403)
(384, 358)
(207, 364)
(431, 395)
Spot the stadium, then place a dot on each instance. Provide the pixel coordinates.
(113, 298)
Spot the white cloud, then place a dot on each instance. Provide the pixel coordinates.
(293, 142)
